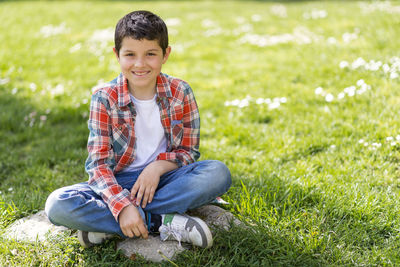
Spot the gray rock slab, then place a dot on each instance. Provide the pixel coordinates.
(37, 227)
(155, 250)
(152, 249)
(215, 217)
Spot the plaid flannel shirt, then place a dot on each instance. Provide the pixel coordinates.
(112, 143)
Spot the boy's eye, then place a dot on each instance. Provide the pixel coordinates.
(151, 54)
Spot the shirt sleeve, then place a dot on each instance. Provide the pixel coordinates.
(187, 151)
(101, 162)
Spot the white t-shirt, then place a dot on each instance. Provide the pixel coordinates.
(150, 137)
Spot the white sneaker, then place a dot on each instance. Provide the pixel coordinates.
(184, 228)
(88, 239)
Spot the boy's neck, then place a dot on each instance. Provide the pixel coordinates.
(142, 93)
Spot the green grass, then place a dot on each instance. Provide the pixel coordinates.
(313, 194)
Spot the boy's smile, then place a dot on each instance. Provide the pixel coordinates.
(141, 62)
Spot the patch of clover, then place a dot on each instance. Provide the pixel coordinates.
(391, 68)
(389, 141)
(360, 88)
(272, 103)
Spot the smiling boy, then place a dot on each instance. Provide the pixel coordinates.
(143, 146)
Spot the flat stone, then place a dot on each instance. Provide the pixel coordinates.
(215, 217)
(36, 227)
(153, 249)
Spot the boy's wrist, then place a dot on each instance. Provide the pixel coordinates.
(160, 167)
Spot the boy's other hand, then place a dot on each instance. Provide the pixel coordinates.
(145, 186)
(131, 222)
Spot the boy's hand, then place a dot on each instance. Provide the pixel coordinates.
(146, 185)
(131, 222)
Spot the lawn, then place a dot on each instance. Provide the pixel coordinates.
(299, 98)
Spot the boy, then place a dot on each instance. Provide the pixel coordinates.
(143, 146)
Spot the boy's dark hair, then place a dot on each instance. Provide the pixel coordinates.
(141, 25)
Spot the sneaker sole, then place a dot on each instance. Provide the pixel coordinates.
(83, 238)
(204, 230)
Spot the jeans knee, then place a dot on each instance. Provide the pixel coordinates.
(55, 207)
(221, 175)
(49, 207)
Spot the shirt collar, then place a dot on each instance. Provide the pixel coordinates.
(162, 87)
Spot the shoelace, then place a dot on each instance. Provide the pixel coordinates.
(178, 233)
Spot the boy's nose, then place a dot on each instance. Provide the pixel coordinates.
(139, 62)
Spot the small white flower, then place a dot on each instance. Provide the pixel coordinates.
(58, 90)
(102, 36)
(360, 91)
(85, 114)
(343, 64)
(366, 144)
(360, 82)
(50, 30)
(332, 146)
(235, 102)
(243, 103)
(348, 37)
(398, 137)
(319, 90)
(386, 68)
(394, 75)
(4, 81)
(283, 99)
(208, 23)
(172, 22)
(240, 20)
(279, 10)
(260, 101)
(393, 143)
(33, 87)
(256, 17)
(329, 98)
(10, 189)
(332, 40)
(361, 141)
(359, 62)
(213, 32)
(376, 145)
(341, 95)
(389, 138)
(14, 91)
(43, 118)
(274, 105)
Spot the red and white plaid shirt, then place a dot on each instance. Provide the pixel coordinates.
(112, 142)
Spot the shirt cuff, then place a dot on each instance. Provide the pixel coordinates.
(118, 202)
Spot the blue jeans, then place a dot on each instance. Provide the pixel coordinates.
(191, 186)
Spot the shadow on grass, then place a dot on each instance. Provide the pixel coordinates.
(42, 149)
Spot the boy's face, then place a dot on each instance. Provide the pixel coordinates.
(141, 62)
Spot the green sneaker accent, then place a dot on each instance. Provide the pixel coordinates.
(168, 219)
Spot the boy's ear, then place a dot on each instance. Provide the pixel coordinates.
(116, 53)
(167, 52)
